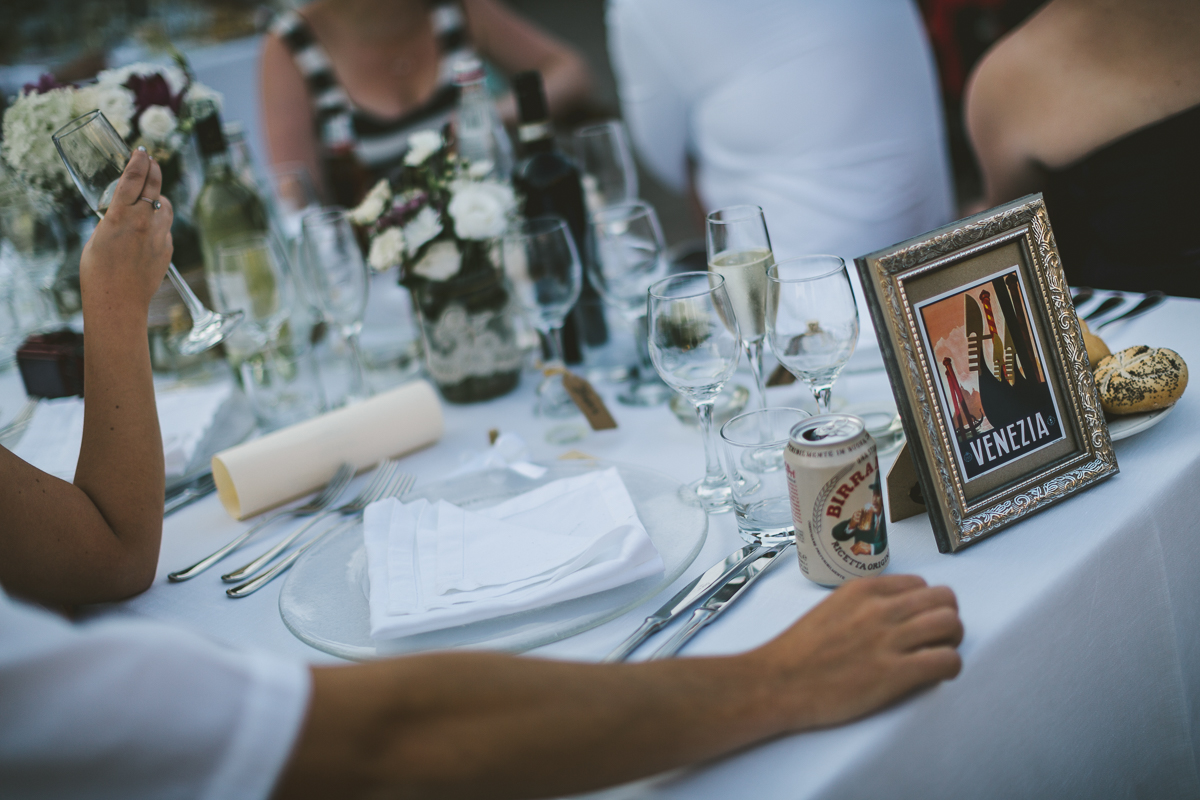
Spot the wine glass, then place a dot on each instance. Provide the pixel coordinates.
(739, 249)
(95, 155)
(606, 163)
(695, 345)
(543, 267)
(338, 280)
(33, 242)
(250, 275)
(812, 320)
(628, 255)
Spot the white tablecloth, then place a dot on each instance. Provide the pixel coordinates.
(1081, 673)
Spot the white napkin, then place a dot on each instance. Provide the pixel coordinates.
(433, 565)
(52, 441)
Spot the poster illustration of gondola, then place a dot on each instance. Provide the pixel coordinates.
(991, 373)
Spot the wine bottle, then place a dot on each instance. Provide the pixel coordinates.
(346, 178)
(550, 184)
(481, 139)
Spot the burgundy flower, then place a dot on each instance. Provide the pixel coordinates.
(152, 90)
(402, 211)
(45, 84)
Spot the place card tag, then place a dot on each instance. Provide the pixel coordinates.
(903, 488)
(589, 402)
(781, 377)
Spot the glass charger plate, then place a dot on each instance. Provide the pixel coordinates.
(324, 599)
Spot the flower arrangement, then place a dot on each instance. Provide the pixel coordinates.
(150, 105)
(441, 208)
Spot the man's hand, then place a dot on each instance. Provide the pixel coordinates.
(871, 642)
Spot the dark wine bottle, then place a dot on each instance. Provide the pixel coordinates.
(345, 177)
(550, 184)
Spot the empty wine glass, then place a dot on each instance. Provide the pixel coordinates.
(96, 155)
(606, 163)
(250, 275)
(739, 249)
(337, 277)
(543, 267)
(628, 255)
(812, 320)
(695, 344)
(34, 244)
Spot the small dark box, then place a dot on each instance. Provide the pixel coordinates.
(52, 364)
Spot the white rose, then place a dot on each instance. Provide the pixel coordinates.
(157, 123)
(28, 125)
(373, 205)
(480, 210)
(174, 76)
(424, 227)
(441, 261)
(387, 250)
(421, 145)
(115, 102)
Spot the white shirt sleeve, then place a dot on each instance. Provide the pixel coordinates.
(133, 709)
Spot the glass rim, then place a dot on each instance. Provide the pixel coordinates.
(787, 437)
(608, 214)
(773, 270)
(688, 275)
(323, 212)
(241, 241)
(78, 123)
(750, 212)
(596, 128)
(537, 226)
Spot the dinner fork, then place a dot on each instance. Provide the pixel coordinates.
(10, 434)
(330, 493)
(399, 486)
(381, 480)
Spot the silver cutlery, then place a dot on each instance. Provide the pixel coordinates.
(190, 493)
(1081, 294)
(380, 481)
(724, 597)
(399, 486)
(699, 589)
(1149, 301)
(331, 492)
(1108, 305)
(11, 433)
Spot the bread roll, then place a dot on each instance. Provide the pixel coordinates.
(1097, 350)
(1140, 379)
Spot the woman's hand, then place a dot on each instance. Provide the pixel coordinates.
(124, 262)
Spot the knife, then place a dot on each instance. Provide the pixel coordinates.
(724, 597)
(1108, 305)
(699, 589)
(189, 493)
(1151, 300)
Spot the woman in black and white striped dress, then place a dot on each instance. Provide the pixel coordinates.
(359, 76)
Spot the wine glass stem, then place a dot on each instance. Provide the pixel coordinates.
(358, 378)
(645, 363)
(754, 353)
(195, 308)
(554, 338)
(822, 395)
(712, 458)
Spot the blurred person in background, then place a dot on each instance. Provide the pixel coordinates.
(825, 114)
(1096, 105)
(358, 77)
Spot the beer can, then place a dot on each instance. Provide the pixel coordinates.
(836, 494)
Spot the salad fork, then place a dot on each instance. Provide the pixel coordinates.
(330, 493)
(399, 486)
(380, 481)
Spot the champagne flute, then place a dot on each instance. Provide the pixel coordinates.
(338, 280)
(812, 320)
(739, 249)
(543, 267)
(628, 255)
(606, 163)
(250, 275)
(695, 345)
(96, 155)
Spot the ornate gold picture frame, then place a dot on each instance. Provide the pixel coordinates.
(987, 362)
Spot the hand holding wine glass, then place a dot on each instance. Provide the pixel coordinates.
(812, 320)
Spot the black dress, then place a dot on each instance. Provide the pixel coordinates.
(1127, 216)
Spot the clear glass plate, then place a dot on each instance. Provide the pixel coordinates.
(1124, 426)
(324, 598)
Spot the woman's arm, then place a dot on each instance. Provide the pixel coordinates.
(515, 45)
(287, 114)
(97, 539)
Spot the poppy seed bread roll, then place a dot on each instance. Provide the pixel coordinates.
(1139, 379)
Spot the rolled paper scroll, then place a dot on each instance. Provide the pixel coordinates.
(297, 460)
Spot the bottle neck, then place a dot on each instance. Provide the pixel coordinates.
(219, 163)
(536, 136)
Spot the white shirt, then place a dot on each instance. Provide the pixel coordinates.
(133, 709)
(826, 114)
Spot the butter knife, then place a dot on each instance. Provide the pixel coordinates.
(696, 591)
(189, 493)
(724, 597)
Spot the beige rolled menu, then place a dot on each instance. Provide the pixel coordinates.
(299, 459)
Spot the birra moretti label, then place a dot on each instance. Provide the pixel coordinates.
(837, 499)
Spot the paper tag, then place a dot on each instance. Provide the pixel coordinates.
(903, 489)
(589, 402)
(781, 377)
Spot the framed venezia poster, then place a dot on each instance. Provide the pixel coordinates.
(986, 358)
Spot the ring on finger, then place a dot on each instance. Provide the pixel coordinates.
(157, 204)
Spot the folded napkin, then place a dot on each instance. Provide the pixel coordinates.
(433, 565)
(52, 441)
(298, 459)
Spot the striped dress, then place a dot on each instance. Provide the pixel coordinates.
(379, 144)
